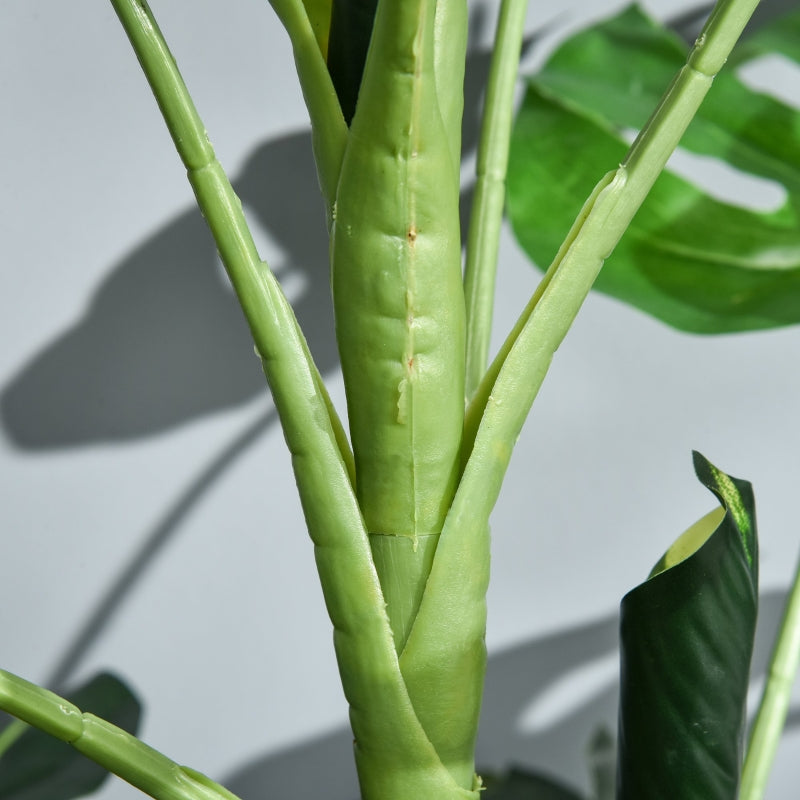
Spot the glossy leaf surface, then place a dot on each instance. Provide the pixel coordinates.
(694, 261)
(39, 767)
(687, 639)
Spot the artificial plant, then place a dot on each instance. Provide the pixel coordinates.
(398, 512)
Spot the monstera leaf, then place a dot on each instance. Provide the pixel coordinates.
(686, 640)
(693, 261)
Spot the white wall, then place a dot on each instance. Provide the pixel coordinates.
(148, 514)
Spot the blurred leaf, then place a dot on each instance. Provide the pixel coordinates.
(782, 36)
(686, 639)
(693, 261)
(602, 753)
(38, 767)
(520, 784)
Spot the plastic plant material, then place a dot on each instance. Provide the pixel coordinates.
(491, 166)
(36, 766)
(693, 261)
(106, 744)
(400, 524)
(776, 697)
(686, 641)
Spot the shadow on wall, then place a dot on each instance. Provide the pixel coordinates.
(163, 340)
(534, 673)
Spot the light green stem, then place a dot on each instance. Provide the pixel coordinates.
(396, 759)
(256, 287)
(328, 127)
(490, 188)
(109, 746)
(771, 716)
(449, 56)
(516, 374)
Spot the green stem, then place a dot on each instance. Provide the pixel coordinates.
(109, 746)
(395, 758)
(516, 374)
(328, 126)
(450, 29)
(490, 188)
(774, 705)
(256, 287)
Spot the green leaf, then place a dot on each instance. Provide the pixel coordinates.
(39, 767)
(350, 34)
(520, 784)
(686, 639)
(693, 261)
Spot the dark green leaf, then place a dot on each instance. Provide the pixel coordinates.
(350, 33)
(38, 767)
(693, 261)
(687, 638)
(521, 784)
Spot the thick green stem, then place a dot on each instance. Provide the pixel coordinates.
(403, 565)
(398, 299)
(490, 189)
(774, 706)
(395, 757)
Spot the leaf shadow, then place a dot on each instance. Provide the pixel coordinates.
(162, 340)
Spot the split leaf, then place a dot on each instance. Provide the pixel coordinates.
(696, 262)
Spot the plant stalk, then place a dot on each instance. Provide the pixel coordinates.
(512, 382)
(328, 126)
(774, 706)
(109, 746)
(486, 219)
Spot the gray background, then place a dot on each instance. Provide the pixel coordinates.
(148, 513)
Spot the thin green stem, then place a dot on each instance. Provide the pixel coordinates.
(109, 746)
(328, 126)
(256, 287)
(512, 382)
(490, 188)
(774, 705)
